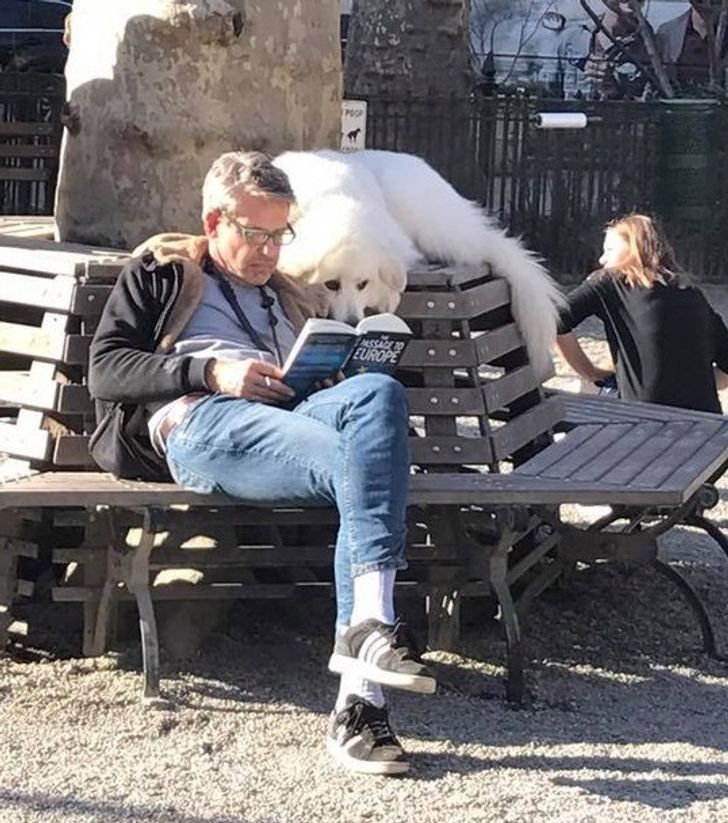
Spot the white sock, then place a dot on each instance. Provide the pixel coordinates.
(374, 596)
(352, 684)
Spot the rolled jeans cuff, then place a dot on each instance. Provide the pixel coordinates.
(364, 568)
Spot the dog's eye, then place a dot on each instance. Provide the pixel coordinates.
(362, 285)
(332, 285)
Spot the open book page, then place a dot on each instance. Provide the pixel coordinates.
(319, 352)
(325, 347)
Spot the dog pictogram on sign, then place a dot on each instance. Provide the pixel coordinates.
(353, 125)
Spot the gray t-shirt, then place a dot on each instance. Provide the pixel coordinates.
(214, 331)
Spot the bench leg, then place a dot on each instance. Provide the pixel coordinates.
(695, 602)
(7, 593)
(137, 582)
(515, 679)
(443, 618)
(711, 530)
(150, 642)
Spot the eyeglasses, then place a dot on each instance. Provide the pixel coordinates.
(261, 237)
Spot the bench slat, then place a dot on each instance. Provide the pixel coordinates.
(33, 444)
(611, 457)
(588, 451)
(583, 408)
(439, 276)
(434, 353)
(504, 390)
(221, 591)
(34, 342)
(48, 257)
(38, 393)
(436, 401)
(538, 464)
(455, 305)
(63, 489)
(451, 450)
(646, 453)
(682, 453)
(59, 294)
(492, 345)
(72, 450)
(709, 459)
(42, 292)
(526, 427)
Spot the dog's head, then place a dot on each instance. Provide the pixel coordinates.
(357, 252)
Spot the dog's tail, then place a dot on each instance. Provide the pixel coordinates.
(471, 237)
(447, 227)
(535, 296)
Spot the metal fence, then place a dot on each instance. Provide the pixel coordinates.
(30, 136)
(557, 188)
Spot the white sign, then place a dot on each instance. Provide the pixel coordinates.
(353, 124)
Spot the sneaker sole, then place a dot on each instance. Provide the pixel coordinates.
(341, 664)
(386, 767)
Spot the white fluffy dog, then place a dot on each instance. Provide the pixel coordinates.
(364, 218)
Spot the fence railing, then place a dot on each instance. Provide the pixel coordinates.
(30, 137)
(557, 188)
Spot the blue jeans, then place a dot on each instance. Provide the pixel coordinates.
(345, 446)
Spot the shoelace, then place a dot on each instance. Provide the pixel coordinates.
(404, 641)
(370, 717)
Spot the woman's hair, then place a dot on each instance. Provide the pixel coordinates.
(651, 257)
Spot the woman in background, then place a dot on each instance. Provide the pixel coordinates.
(667, 344)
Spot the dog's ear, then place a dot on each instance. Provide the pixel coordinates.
(393, 273)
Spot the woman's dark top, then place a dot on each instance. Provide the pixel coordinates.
(664, 340)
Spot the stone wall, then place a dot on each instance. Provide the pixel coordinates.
(158, 88)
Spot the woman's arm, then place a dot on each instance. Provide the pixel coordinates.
(570, 349)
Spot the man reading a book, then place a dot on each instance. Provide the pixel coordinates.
(186, 366)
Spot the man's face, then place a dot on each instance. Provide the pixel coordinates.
(247, 256)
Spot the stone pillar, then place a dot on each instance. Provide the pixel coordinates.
(158, 88)
(400, 47)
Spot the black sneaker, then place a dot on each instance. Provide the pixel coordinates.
(382, 653)
(361, 739)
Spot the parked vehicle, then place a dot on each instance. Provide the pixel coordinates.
(31, 35)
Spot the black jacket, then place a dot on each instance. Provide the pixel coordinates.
(128, 367)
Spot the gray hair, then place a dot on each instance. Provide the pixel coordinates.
(250, 170)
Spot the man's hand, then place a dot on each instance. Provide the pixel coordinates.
(330, 382)
(249, 379)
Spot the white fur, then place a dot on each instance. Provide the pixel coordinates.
(364, 218)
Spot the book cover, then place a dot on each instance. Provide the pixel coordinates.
(376, 352)
(326, 347)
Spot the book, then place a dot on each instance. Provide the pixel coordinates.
(326, 347)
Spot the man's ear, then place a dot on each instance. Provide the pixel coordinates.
(211, 221)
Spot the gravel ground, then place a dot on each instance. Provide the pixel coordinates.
(625, 721)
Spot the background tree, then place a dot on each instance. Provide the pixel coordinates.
(396, 47)
(158, 88)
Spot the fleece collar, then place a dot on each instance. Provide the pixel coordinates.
(298, 301)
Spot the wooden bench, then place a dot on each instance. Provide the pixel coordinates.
(488, 480)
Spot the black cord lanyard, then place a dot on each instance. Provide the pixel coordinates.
(266, 301)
